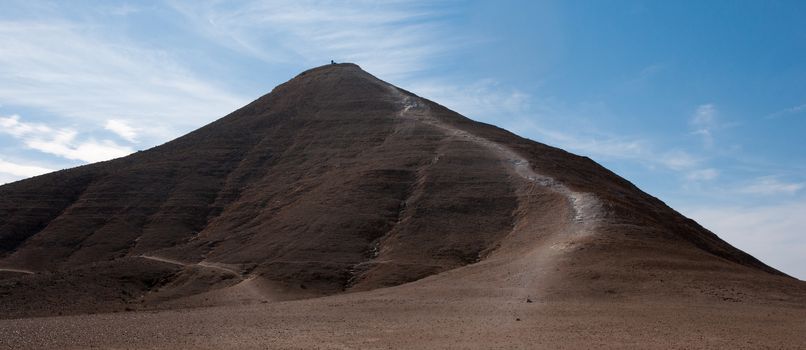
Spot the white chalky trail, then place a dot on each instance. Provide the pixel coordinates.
(587, 207)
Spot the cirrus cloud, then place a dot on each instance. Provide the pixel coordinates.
(62, 142)
(122, 129)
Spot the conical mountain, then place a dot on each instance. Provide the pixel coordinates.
(338, 182)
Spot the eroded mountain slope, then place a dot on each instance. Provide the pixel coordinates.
(337, 181)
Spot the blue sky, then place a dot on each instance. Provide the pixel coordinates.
(702, 104)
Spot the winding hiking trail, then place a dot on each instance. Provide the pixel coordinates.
(248, 289)
(530, 268)
(587, 208)
(204, 264)
(28, 272)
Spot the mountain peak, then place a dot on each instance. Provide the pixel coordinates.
(337, 182)
(341, 69)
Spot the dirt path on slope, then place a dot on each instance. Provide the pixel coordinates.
(587, 208)
(248, 288)
(29, 272)
(537, 241)
(209, 265)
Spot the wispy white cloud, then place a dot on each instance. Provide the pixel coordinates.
(770, 186)
(71, 71)
(91, 150)
(18, 171)
(772, 233)
(124, 9)
(76, 75)
(645, 75)
(122, 129)
(707, 174)
(393, 40)
(630, 149)
(787, 111)
(62, 142)
(677, 160)
(11, 125)
(489, 101)
(597, 145)
(484, 99)
(550, 122)
(704, 121)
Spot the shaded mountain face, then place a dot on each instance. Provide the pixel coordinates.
(336, 181)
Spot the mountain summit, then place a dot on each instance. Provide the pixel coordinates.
(336, 183)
